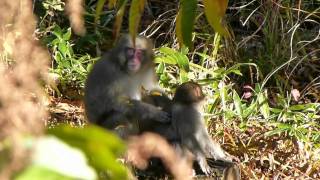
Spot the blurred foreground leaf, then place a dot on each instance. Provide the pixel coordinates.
(54, 159)
(101, 147)
(37, 173)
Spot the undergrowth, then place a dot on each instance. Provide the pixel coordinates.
(262, 83)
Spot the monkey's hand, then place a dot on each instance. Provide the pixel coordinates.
(204, 166)
(147, 112)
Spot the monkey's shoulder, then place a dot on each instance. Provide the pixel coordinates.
(176, 106)
(105, 70)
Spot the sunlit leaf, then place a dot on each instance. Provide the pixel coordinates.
(166, 50)
(167, 60)
(136, 9)
(67, 35)
(185, 21)
(160, 68)
(215, 10)
(174, 57)
(183, 76)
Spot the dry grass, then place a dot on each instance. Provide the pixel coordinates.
(23, 63)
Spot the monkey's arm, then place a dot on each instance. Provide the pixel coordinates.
(146, 112)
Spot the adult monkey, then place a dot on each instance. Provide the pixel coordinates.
(113, 87)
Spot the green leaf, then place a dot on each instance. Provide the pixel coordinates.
(67, 35)
(281, 127)
(237, 104)
(174, 57)
(264, 106)
(276, 110)
(183, 76)
(160, 68)
(185, 21)
(167, 51)
(167, 60)
(136, 9)
(183, 61)
(62, 47)
(249, 110)
(214, 11)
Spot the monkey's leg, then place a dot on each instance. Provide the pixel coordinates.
(214, 150)
(112, 119)
(126, 131)
(195, 147)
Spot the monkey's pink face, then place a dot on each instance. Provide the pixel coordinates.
(134, 59)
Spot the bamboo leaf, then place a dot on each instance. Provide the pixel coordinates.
(112, 4)
(99, 8)
(136, 9)
(119, 18)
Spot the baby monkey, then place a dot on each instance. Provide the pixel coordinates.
(187, 129)
(188, 123)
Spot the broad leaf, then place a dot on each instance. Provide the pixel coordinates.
(185, 21)
(215, 10)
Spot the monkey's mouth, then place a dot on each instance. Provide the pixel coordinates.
(133, 67)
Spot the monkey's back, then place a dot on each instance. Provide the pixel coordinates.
(186, 119)
(97, 93)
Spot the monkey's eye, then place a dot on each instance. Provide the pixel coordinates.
(130, 52)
